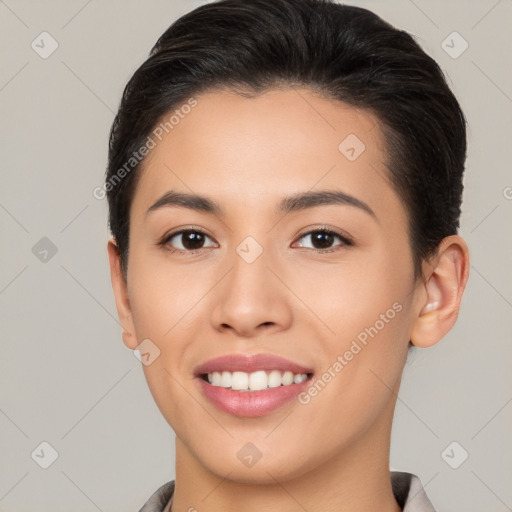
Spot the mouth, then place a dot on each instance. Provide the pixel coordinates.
(251, 386)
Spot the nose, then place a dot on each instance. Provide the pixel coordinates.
(251, 300)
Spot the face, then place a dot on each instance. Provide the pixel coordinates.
(296, 260)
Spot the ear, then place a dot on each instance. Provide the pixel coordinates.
(439, 301)
(120, 289)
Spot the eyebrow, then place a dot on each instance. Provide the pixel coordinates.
(291, 203)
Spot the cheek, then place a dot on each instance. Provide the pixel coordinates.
(352, 295)
(163, 297)
(367, 309)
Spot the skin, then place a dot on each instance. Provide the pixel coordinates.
(293, 301)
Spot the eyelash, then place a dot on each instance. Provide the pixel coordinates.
(345, 239)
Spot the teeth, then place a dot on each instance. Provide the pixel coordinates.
(297, 379)
(225, 379)
(239, 381)
(287, 378)
(256, 381)
(274, 379)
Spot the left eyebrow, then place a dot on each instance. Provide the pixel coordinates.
(310, 199)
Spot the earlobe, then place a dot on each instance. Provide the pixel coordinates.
(442, 293)
(119, 287)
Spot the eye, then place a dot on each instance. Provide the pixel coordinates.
(187, 240)
(322, 240)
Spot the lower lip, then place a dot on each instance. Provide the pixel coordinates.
(251, 403)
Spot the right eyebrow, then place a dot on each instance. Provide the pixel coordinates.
(192, 201)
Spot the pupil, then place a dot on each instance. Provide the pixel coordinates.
(192, 240)
(323, 239)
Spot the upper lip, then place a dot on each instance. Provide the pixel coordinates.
(249, 363)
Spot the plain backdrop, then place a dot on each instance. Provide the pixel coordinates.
(67, 379)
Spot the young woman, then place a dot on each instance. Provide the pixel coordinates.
(284, 185)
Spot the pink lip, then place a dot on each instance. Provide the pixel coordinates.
(250, 403)
(248, 364)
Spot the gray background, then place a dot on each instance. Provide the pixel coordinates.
(66, 377)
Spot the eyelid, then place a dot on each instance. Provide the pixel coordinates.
(324, 227)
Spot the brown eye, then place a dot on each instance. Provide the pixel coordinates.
(323, 239)
(187, 240)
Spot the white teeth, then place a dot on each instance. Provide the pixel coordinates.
(239, 380)
(297, 379)
(255, 381)
(225, 380)
(258, 381)
(287, 378)
(216, 378)
(274, 379)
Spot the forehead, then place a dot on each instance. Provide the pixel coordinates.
(247, 152)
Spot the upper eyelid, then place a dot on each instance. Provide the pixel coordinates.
(167, 238)
(338, 232)
(345, 238)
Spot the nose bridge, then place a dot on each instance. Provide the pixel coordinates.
(250, 295)
(249, 278)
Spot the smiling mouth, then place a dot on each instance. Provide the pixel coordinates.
(255, 381)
